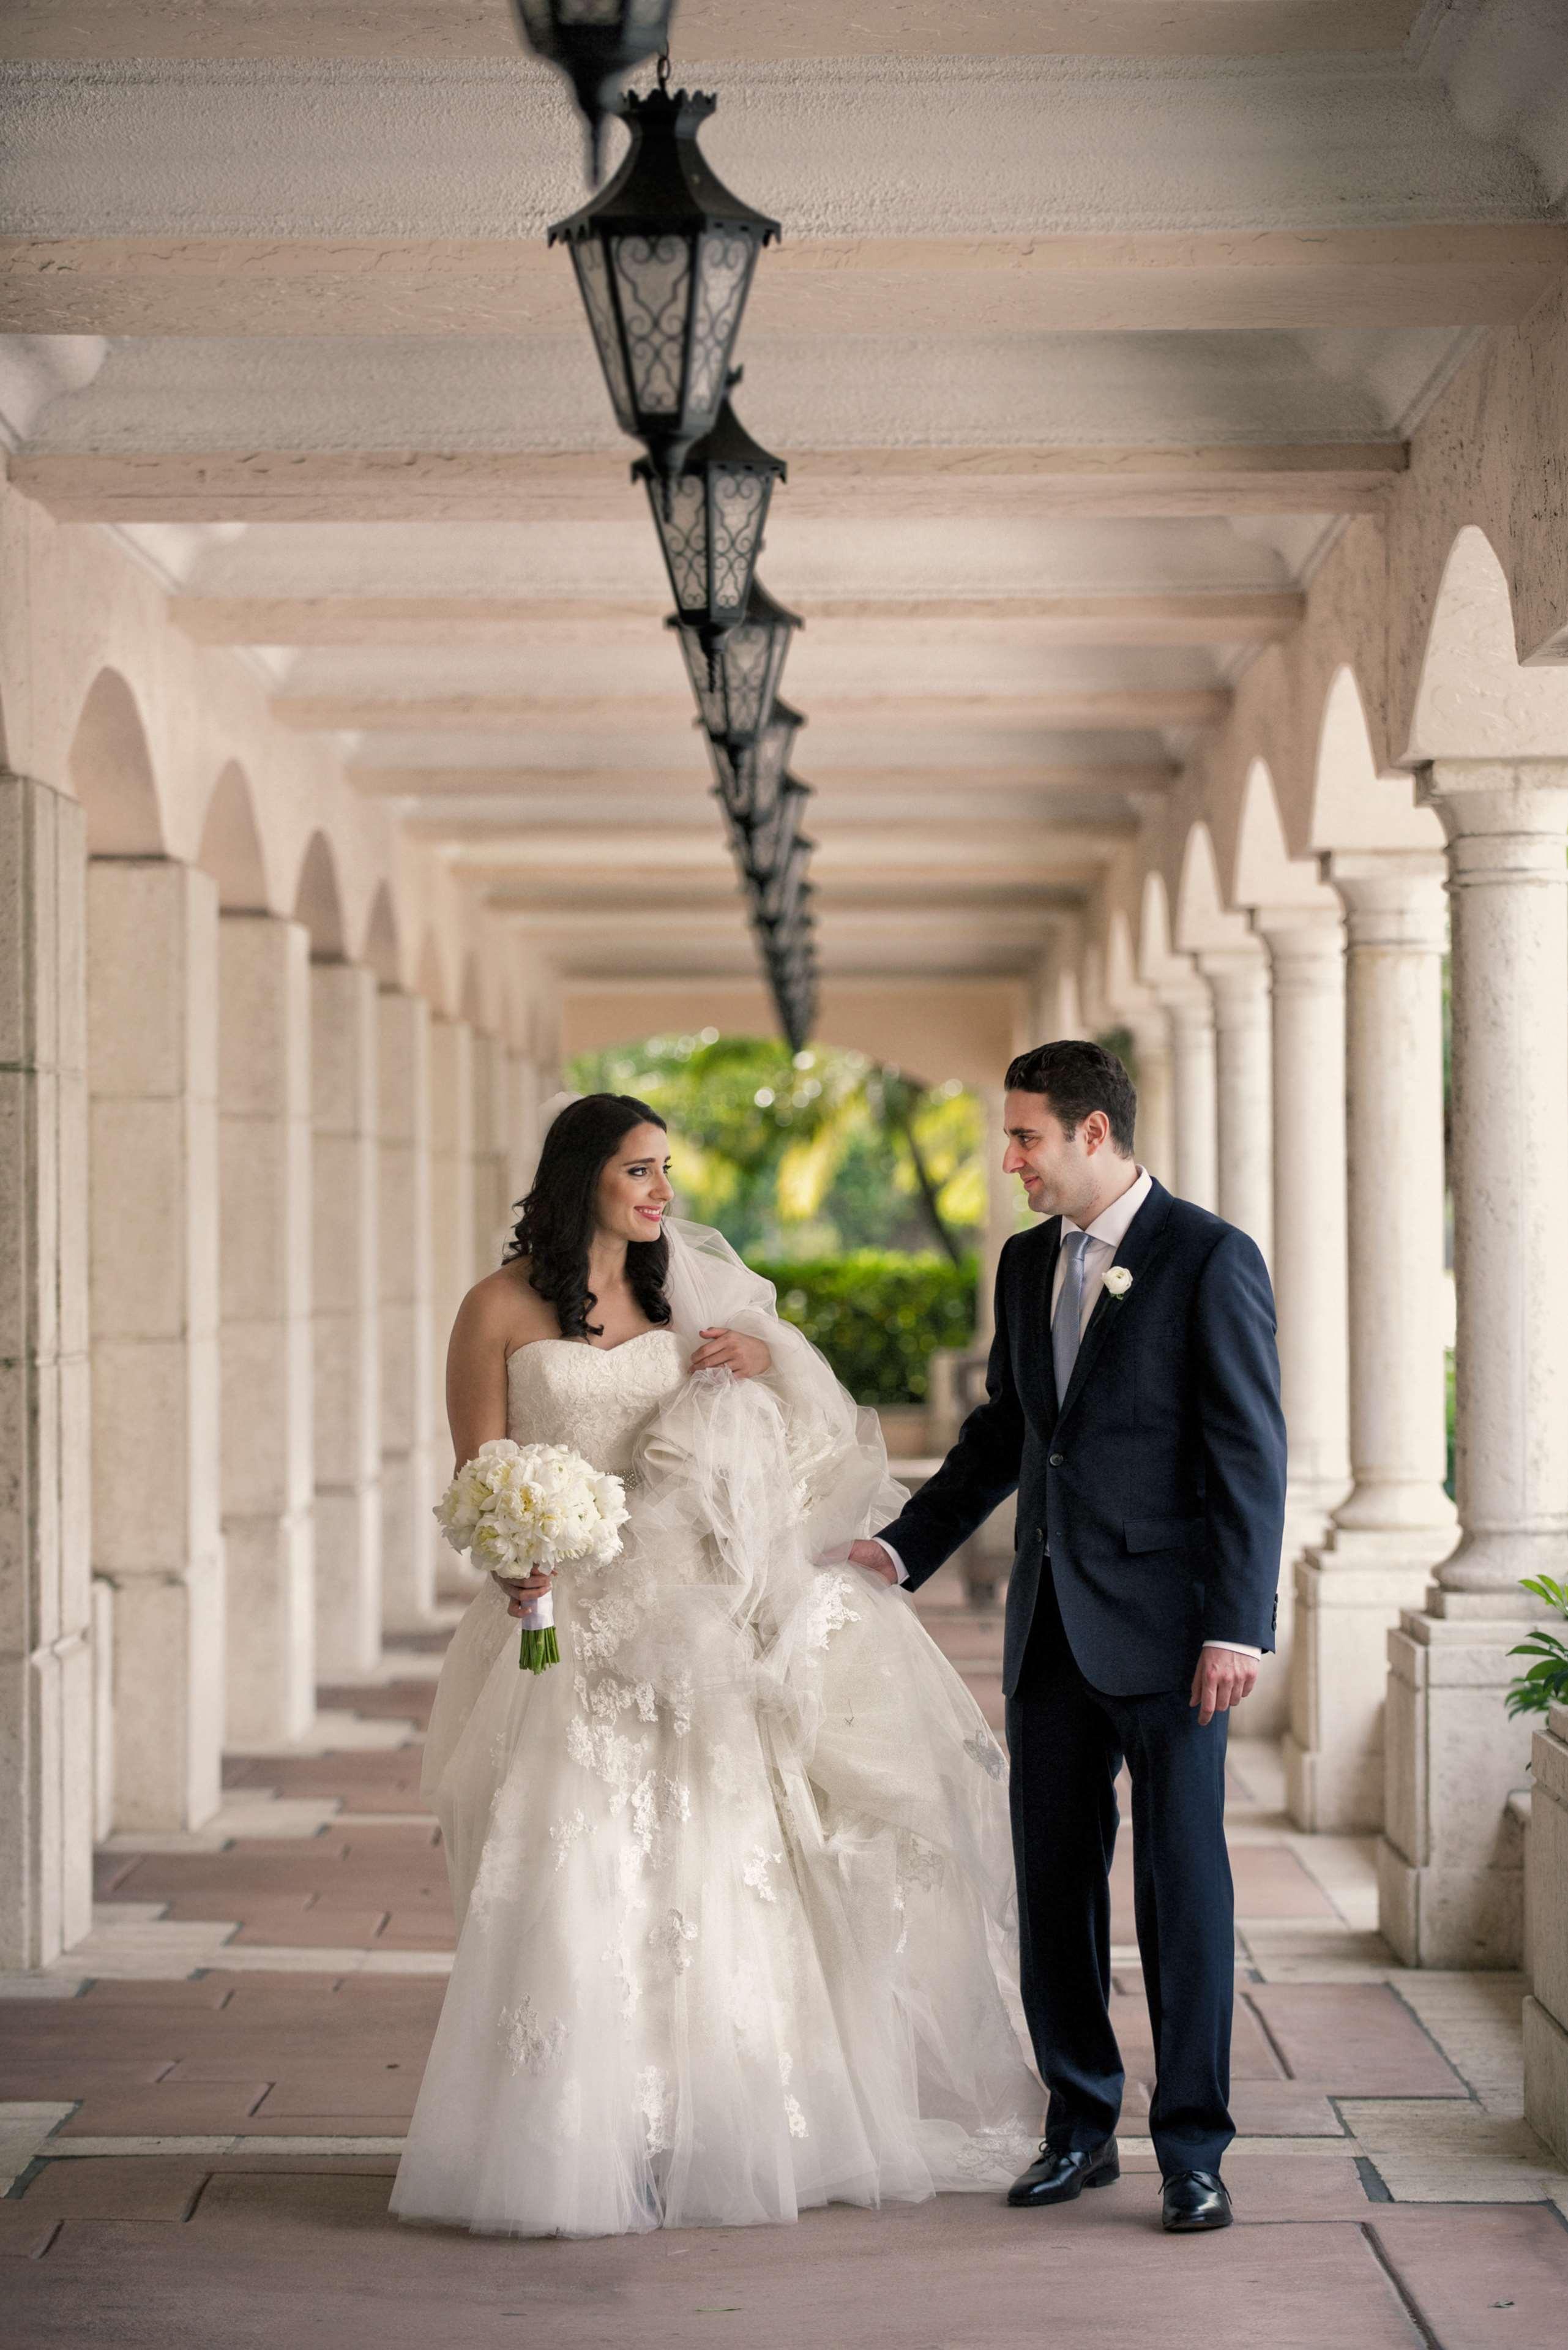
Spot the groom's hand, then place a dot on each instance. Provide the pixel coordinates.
(873, 1559)
(1222, 1680)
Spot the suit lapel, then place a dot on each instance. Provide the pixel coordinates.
(1139, 1244)
(1034, 1353)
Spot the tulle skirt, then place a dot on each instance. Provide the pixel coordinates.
(734, 1882)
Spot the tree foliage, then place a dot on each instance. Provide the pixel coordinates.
(805, 1156)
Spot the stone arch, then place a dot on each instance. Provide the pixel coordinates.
(471, 1002)
(231, 849)
(318, 902)
(383, 951)
(1203, 920)
(1154, 949)
(1121, 962)
(431, 979)
(1266, 872)
(110, 771)
(1097, 1010)
(1354, 806)
(1473, 699)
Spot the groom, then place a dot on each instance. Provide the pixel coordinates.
(1132, 1400)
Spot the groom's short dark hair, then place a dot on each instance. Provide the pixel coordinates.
(1075, 1078)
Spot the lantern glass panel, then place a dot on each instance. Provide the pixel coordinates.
(725, 259)
(740, 502)
(593, 283)
(681, 517)
(653, 277)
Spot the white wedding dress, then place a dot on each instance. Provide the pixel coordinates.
(733, 1881)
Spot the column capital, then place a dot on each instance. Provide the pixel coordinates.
(1239, 978)
(1391, 897)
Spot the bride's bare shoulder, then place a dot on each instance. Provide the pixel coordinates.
(504, 1309)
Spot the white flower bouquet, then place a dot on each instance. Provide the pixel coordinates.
(521, 1509)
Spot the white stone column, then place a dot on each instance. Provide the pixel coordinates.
(1306, 958)
(1000, 1196)
(1239, 978)
(1155, 1101)
(153, 1063)
(266, 1240)
(451, 1227)
(46, 1535)
(412, 1474)
(1451, 1864)
(1396, 1520)
(524, 1136)
(1191, 1009)
(491, 1153)
(1546, 1946)
(345, 1316)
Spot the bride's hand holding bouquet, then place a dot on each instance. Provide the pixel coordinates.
(522, 1510)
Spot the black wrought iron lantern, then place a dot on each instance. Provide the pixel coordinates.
(736, 691)
(594, 43)
(709, 517)
(664, 258)
(748, 781)
(781, 887)
(768, 839)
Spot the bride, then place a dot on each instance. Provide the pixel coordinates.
(732, 1881)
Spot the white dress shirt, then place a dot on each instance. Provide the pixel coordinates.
(1106, 1234)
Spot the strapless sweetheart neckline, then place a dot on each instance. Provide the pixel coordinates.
(585, 1345)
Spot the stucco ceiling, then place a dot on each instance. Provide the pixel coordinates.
(1093, 320)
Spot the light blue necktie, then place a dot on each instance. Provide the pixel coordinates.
(1066, 1323)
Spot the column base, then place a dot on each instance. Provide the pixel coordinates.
(347, 1581)
(1267, 1712)
(1546, 2077)
(270, 1571)
(1452, 1863)
(1350, 1592)
(1546, 1925)
(169, 1695)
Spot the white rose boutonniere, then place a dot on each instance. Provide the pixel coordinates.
(1117, 1282)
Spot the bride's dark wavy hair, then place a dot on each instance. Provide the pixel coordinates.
(555, 1227)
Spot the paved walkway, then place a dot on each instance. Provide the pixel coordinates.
(199, 2110)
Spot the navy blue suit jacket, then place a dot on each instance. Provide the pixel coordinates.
(1158, 1482)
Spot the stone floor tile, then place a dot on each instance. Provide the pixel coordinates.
(1479, 2020)
(1283, 2109)
(334, 1929)
(25, 2235)
(260, 2201)
(166, 2110)
(1359, 2039)
(386, 2089)
(140, 2187)
(1271, 1882)
(1438, 2150)
(1091, 2275)
(1268, 2186)
(1482, 2280)
(202, 1992)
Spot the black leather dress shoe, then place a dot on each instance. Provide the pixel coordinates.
(1193, 2201)
(1061, 2173)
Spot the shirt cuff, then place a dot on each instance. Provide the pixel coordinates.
(1242, 1648)
(901, 1571)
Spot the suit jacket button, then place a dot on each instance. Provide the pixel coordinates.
(1057, 1458)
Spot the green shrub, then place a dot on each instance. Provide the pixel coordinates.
(1545, 1682)
(878, 1317)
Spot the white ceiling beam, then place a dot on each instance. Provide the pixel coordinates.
(1466, 275)
(839, 486)
(1097, 710)
(442, 30)
(432, 786)
(1168, 618)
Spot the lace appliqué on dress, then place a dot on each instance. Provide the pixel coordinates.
(829, 1609)
(754, 1871)
(530, 2044)
(987, 1753)
(671, 1940)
